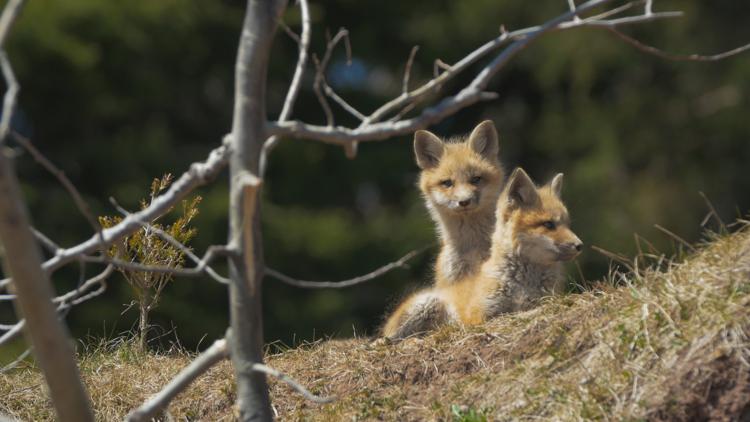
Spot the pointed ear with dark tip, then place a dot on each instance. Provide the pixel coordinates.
(521, 189)
(556, 184)
(428, 149)
(484, 140)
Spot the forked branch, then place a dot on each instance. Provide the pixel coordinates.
(213, 355)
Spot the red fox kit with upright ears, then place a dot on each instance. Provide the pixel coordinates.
(460, 182)
(531, 240)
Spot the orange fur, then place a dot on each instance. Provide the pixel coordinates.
(460, 182)
(531, 240)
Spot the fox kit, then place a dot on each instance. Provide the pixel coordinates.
(460, 182)
(530, 242)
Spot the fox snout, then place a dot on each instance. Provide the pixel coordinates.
(465, 203)
(570, 249)
(462, 199)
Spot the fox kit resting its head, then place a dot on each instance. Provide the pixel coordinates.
(531, 240)
(460, 182)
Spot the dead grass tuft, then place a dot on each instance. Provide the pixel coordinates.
(668, 342)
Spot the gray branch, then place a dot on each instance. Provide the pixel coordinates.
(294, 86)
(199, 174)
(213, 355)
(401, 263)
(372, 130)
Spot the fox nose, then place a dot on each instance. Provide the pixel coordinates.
(464, 203)
(578, 246)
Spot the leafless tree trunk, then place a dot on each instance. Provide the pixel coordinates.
(143, 326)
(246, 261)
(49, 338)
(23, 261)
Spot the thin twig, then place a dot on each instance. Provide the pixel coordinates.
(439, 64)
(259, 367)
(613, 12)
(294, 86)
(320, 68)
(401, 263)
(340, 101)
(713, 212)
(403, 112)
(201, 263)
(675, 237)
(81, 204)
(63, 302)
(572, 7)
(13, 364)
(13, 333)
(293, 35)
(317, 88)
(9, 16)
(48, 243)
(678, 57)
(199, 174)
(614, 256)
(372, 128)
(407, 69)
(213, 355)
(73, 297)
(9, 100)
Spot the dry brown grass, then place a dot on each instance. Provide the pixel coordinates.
(668, 342)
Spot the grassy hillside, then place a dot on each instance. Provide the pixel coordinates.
(665, 341)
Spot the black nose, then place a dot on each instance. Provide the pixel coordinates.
(579, 246)
(464, 203)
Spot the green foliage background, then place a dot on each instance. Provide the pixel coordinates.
(118, 93)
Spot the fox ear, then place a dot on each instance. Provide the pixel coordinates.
(428, 149)
(556, 184)
(521, 189)
(484, 140)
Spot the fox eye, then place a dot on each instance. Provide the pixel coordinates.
(447, 183)
(475, 180)
(549, 225)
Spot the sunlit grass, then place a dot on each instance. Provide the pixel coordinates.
(662, 338)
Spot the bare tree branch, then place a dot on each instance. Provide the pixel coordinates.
(294, 86)
(83, 207)
(678, 57)
(9, 101)
(572, 7)
(74, 297)
(201, 268)
(407, 70)
(201, 263)
(13, 333)
(10, 14)
(213, 355)
(320, 69)
(48, 243)
(199, 174)
(210, 357)
(15, 362)
(64, 302)
(370, 130)
(259, 367)
(401, 263)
